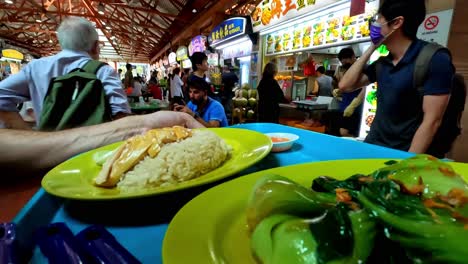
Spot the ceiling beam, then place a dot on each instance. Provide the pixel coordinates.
(99, 24)
(22, 45)
(79, 15)
(126, 6)
(211, 16)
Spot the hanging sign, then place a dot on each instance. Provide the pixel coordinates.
(213, 59)
(228, 29)
(198, 44)
(186, 64)
(357, 7)
(436, 27)
(12, 54)
(172, 58)
(182, 53)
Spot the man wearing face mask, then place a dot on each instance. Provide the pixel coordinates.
(405, 119)
(351, 103)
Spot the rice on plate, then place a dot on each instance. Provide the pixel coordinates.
(177, 162)
(161, 157)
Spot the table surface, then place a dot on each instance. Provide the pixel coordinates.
(143, 236)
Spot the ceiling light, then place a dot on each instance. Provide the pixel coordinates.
(100, 8)
(194, 10)
(38, 20)
(108, 27)
(9, 1)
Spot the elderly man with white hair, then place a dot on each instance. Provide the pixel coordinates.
(78, 39)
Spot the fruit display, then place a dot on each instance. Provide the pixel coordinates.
(216, 78)
(244, 105)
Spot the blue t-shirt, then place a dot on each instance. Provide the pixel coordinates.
(213, 111)
(399, 104)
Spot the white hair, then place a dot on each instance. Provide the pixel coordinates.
(76, 33)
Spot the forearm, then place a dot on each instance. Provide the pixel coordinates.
(349, 81)
(207, 124)
(38, 150)
(12, 120)
(424, 136)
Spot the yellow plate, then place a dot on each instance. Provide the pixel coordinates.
(73, 179)
(212, 229)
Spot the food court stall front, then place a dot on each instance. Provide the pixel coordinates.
(304, 36)
(10, 62)
(233, 40)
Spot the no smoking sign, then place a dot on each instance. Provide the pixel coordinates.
(431, 22)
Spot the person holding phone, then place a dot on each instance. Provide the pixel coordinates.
(203, 108)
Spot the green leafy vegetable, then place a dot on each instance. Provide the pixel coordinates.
(278, 195)
(412, 211)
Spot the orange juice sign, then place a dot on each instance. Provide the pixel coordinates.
(271, 12)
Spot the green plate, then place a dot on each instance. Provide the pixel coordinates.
(219, 234)
(73, 179)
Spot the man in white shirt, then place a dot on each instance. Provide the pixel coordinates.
(176, 87)
(78, 39)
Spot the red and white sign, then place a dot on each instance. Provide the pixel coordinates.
(431, 22)
(436, 27)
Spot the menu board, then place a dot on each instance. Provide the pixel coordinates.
(327, 30)
(271, 12)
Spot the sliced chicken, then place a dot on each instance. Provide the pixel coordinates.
(136, 149)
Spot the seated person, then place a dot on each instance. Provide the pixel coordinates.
(154, 89)
(136, 91)
(203, 108)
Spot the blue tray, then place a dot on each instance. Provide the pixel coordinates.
(140, 224)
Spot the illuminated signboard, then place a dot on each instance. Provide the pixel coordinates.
(12, 54)
(182, 53)
(228, 29)
(198, 44)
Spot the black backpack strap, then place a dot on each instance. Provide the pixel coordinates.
(93, 66)
(422, 64)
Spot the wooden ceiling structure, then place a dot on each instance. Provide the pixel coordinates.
(131, 30)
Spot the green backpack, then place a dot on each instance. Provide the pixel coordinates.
(75, 99)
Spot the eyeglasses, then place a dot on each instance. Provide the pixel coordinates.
(374, 20)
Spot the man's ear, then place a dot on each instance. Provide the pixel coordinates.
(398, 22)
(95, 50)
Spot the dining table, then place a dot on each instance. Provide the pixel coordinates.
(140, 224)
(147, 107)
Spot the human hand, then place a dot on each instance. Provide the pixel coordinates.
(169, 119)
(183, 108)
(349, 111)
(336, 93)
